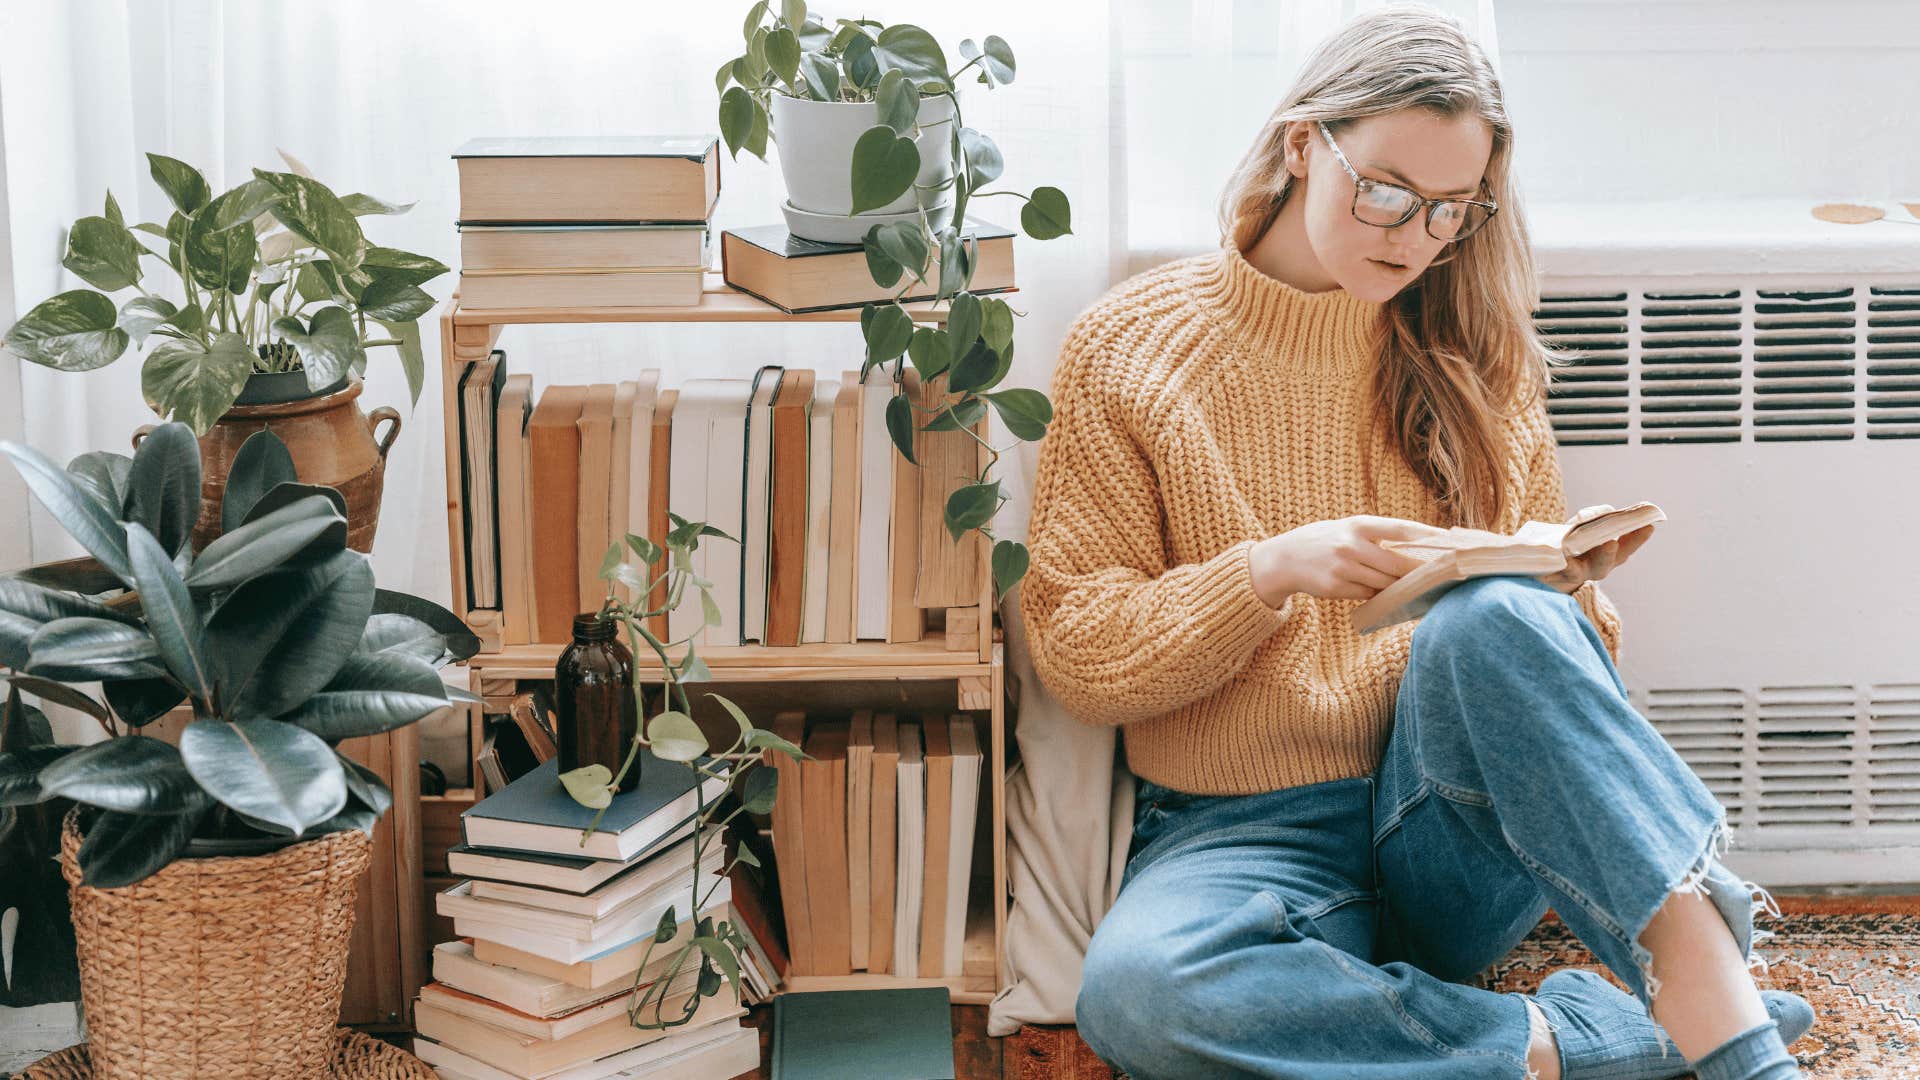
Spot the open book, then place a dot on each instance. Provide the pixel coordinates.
(1536, 548)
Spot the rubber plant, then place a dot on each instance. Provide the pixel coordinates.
(790, 50)
(273, 275)
(671, 735)
(275, 635)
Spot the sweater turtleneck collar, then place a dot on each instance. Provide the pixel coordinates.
(1325, 334)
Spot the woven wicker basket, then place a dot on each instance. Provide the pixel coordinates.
(228, 967)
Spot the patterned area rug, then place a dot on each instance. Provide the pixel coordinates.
(1856, 959)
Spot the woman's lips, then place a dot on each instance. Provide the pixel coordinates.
(1393, 268)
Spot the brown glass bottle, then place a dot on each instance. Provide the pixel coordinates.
(593, 699)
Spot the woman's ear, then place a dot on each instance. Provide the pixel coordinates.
(1294, 138)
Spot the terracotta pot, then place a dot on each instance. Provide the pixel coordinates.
(332, 443)
(229, 967)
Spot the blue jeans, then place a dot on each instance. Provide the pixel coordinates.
(1323, 930)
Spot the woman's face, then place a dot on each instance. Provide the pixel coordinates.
(1437, 156)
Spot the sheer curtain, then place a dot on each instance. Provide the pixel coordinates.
(1136, 108)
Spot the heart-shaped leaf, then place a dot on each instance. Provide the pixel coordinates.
(395, 265)
(184, 185)
(736, 119)
(997, 59)
(898, 101)
(759, 790)
(900, 425)
(1009, 566)
(863, 66)
(412, 360)
(262, 464)
(971, 506)
(317, 215)
(103, 253)
(996, 323)
(915, 53)
(984, 163)
(963, 324)
(132, 774)
(673, 736)
(884, 168)
(73, 331)
(783, 55)
(590, 786)
(328, 348)
(193, 384)
(974, 371)
(821, 76)
(265, 769)
(1046, 214)
(142, 314)
(888, 333)
(929, 351)
(1025, 412)
(163, 486)
(390, 300)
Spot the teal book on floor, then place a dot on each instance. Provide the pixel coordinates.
(837, 1034)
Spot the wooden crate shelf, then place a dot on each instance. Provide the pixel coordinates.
(979, 673)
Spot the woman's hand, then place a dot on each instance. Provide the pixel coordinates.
(1599, 562)
(1340, 558)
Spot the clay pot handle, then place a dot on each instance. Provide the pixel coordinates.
(141, 433)
(384, 412)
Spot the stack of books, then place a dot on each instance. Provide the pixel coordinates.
(840, 537)
(612, 221)
(799, 275)
(874, 837)
(555, 925)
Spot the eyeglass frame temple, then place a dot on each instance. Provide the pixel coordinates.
(1421, 203)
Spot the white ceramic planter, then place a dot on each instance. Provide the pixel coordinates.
(815, 140)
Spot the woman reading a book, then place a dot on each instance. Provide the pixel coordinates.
(1334, 833)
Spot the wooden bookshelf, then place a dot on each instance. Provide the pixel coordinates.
(976, 667)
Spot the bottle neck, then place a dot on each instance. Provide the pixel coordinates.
(589, 629)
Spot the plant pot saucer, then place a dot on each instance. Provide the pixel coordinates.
(356, 1056)
(842, 229)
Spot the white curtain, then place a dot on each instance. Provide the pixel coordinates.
(1135, 108)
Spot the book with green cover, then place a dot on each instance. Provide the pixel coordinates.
(835, 1034)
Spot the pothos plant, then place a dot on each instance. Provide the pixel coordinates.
(274, 275)
(672, 736)
(794, 52)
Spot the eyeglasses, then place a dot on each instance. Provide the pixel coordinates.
(1379, 203)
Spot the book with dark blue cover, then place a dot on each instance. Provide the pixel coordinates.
(535, 813)
(830, 1034)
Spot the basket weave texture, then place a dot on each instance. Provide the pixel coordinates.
(227, 967)
(355, 1057)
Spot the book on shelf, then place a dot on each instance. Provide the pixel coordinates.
(594, 498)
(616, 246)
(719, 1049)
(823, 785)
(456, 967)
(948, 569)
(1536, 548)
(494, 290)
(650, 871)
(626, 928)
(798, 275)
(529, 1056)
(589, 179)
(883, 841)
(843, 531)
(789, 841)
(459, 901)
(516, 509)
(816, 591)
(577, 874)
(756, 503)
(910, 805)
(901, 1034)
(557, 1026)
(933, 883)
(553, 470)
(964, 744)
(479, 392)
(659, 471)
(535, 813)
(859, 791)
(782, 594)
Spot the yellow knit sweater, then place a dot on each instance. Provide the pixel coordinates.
(1200, 407)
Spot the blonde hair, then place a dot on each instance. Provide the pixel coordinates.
(1457, 349)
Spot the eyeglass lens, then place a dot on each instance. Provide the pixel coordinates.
(1385, 205)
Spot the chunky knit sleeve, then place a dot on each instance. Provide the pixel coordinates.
(1115, 632)
(1545, 500)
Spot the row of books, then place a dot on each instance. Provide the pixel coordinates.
(839, 537)
(612, 221)
(557, 937)
(625, 221)
(874, 837)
